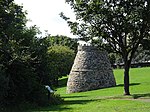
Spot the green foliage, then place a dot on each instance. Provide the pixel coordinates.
(60, 61)
(122, 24)
(55, 99)
(39, 97)
(64, 41)
(24, 66)
(112, 58)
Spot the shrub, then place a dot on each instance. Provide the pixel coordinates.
(60, 61)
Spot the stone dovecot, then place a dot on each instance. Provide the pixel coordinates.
(91, 70)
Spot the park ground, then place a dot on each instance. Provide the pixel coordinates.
(108, 99)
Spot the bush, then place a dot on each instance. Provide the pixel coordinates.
(55, 99)
(22, 86)
(61, 59)
(40, 97)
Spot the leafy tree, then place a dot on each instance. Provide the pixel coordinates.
(64, 41)
(122, 24)
(60, 61)
(23, 59)
(12, 21)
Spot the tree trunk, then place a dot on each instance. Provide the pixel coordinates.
(126, 78)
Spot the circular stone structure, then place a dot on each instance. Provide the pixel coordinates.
(91, 70)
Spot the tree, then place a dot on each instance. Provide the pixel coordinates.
(64, 41)
(122, 24)
(23, 59)
(12, 21)
(60, 61)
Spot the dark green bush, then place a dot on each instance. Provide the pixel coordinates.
(61, 59)
(55, 99)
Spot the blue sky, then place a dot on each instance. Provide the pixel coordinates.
(45, 14)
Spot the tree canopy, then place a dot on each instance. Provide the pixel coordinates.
(61, 59)
(63, 41)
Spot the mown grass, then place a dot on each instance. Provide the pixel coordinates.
(108, 99)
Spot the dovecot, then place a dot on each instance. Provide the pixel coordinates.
(91, 70)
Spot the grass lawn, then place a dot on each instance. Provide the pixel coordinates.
(108, 99)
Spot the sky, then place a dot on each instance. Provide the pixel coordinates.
(45, 14)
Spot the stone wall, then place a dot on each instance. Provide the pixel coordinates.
(91, 70)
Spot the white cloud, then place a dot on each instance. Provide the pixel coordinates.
(45, 14)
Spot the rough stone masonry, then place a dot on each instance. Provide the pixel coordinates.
(91, 70)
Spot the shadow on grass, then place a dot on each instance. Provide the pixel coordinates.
(71, 102)
(51, 109)
(132, 84)
(136, 96)
(62, 106)
(72, 96)
(40, 109)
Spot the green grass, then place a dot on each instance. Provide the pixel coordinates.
(108, 99)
